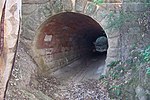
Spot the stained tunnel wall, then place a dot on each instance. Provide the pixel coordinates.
(64, 38)
(33, 18)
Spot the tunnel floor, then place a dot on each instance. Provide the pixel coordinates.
(78, 80)
(87, 67)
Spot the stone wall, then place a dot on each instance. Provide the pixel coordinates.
(35, 13)
(135, 34)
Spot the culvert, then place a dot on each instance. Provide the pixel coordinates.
(70, 46)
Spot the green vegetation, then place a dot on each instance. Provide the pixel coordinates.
(123, 77)
(117, 21)
(98, 1)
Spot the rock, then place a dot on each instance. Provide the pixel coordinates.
(90, 9)
(80, 4)
(28, 8)
(34, 1)
(140, 92)
(67, 6)
(57, 5)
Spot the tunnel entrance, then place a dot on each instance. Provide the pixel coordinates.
(71, 46)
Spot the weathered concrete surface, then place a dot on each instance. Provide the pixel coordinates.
(1, 6)
(11, 31)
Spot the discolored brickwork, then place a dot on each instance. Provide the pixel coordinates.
(66, 37)
(35, 19)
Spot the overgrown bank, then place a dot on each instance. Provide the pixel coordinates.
(130, 79)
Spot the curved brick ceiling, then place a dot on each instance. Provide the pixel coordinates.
(65, 26)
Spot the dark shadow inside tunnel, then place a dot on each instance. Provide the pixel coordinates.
(68, 37)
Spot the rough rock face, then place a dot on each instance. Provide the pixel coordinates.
(2, 64)
(9, 30)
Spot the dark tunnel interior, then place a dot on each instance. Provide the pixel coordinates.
(70, 36)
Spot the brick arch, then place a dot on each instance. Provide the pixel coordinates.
(47, 38)
(99, 13)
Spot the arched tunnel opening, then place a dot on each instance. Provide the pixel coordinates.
(71, 46)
